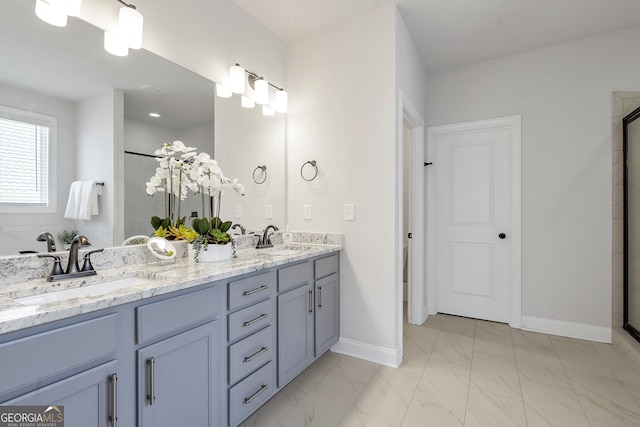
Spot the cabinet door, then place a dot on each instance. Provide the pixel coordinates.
(295, 332)
(178, 379)
(327, 325)
(87, 397)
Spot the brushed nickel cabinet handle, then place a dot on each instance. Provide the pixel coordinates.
(310, 301)
(257, 319)
(113, 380)
(249, 399)
(151, 396)
(253, 291)
(256, 354)
(319, 296)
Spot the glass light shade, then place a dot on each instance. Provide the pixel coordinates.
(236, 79)
(247, 102)
(281, 101)
(261, 91)
(130, 25)
(223, 91)
(115, 45)
(72, 7)
(267, 111)
(52, 12)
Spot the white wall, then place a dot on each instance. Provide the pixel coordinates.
(564, 96)
(100, 121)
(15, 233)
(342, 113)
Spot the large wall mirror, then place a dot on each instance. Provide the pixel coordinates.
(104, 131)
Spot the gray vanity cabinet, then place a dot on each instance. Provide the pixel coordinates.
(308, 314)
(89, 398)
(177, 379)
(327, 312)
(295, 332)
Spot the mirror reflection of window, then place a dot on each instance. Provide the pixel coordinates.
(25, 140)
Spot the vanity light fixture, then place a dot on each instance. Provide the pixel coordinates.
(260, 88)
(115, 45)
(154, 115)
(247, 102)
(236, 79)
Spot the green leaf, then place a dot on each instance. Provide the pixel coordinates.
(226, 226)
(156, 222)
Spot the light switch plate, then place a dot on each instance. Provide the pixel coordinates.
(349, 212)
(238, 211)
(268, 211)
(306, 212)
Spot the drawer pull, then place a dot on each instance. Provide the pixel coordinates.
(253, 291)
(151, 396)
(257, 319)
(113, 379)
(249, 399)
(319, 296)
(256, 354)
(310, 302)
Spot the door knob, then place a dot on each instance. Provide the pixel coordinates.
(502, 235)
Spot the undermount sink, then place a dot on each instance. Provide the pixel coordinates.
(285, 252)
(83, 291)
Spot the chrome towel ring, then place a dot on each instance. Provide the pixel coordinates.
(314, 165)
(264, 174)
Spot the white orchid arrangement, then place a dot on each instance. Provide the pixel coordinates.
(181, 169)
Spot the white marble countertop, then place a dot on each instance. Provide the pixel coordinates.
(164, 277)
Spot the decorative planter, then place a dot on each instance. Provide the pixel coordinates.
(212, 253)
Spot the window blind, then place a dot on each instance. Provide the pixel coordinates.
(24, 164)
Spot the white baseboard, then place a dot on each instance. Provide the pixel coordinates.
(567, 329)
(372, 353)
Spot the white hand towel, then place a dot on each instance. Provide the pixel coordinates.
(88, 200)
(73, 204)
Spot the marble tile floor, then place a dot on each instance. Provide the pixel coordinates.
(465, 372)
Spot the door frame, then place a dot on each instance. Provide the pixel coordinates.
(513, 125)
(417, 310)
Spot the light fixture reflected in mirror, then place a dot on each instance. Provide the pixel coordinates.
(115, 45)
(223, 91)
(267, 111)
(247, 102)
(52, 12)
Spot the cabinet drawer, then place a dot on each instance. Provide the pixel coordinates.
(33, 359)
(252, 352)
(251, 319)
(250, 394)
(296, 275)
(252, 289)
(326, 266)
(176, 314)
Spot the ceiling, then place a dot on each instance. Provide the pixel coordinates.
(452, 33)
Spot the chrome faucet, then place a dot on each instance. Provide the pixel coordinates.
(47, 237)
(73, 267)
(265, 240)
(243, 230)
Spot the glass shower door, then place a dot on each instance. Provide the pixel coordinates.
(631, 129)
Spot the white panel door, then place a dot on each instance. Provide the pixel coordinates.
(472, 223)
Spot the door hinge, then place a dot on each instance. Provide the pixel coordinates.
(428, 163)
(409, 235)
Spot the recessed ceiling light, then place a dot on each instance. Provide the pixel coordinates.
(155, 115)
